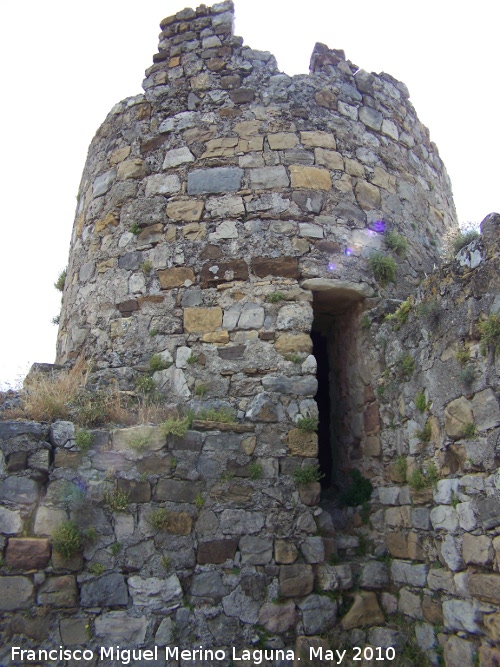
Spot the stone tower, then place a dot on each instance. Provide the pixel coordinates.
(230, 214)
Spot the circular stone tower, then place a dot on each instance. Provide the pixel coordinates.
(235, 215)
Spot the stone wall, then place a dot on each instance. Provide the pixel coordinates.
(226, 219)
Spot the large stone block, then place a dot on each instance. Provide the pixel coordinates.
(217, 179)
(110, 590)
(117, 627)
(303, 443)
(296, 580)
(202, 320)
(19, 490)
(278, 618)
(15, 593)
(182, 276)
(187, 211)
(367, 195)
(59, 592)
(314, 178)
(27, 553)
(215, 272)
(293, 343)
(216, 551)
(486, 587)
(154, 593)
(457, 414)
(177, 491)
(287, 267)
(266, 178)
(10, 521)
(364, 611)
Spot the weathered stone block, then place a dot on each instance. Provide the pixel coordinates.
(364, 611)
(15, 593)
(310, 493)
(215, 272)
(266, 178)
(187, 211)
(329, 159)
(131, 169)
(177, 491)
(240, 522)
(207, 585)
(296, 580)
(162, 184)
(367, 195)
(202, 320)
(110, 590)
(117, 627)
(154, 593)
(217, 179)
(182, 276)
(287, 267)
(59, 592)
(277, 618)
(282, 140)
(19, 490)
(485, 586)
(317, 138)
(137, 492)
(74, 631)
(303, 443)
(256, 550)
(293, 343)
(10, 521)
(216, 551)
(477, 549)
(314, 178)
(27, 553)
(177, 156)
(457, 414)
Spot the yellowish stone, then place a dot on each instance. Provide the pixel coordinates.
(202, 320)
(320, 139)
(303, 443)
(189, 211)
(313, 178)
(80, 221)
(176, 277)
(282, 140)
(131, 169)
(247, 128)
(354, 168)
(250, 145)
(291, 343)
(384, 180)
(102, 224)
(102, 267)
(216, 337)
(367, 195)
(119, 155)
(224, 147)
(194, 231)
(329, 159)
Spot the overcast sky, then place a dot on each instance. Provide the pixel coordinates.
(63, 65)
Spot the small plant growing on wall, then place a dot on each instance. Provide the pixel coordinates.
(490, 333)
(61, 280)
(255, 470)
(307, 423)
(117, 500)
(159, 518)
(396, 242)
(307, 474)
(223, 415)
(421, 401)
(157, 363)
(67, 539)
(406, 366)
(400, 316)
(176, 426)
(358, 492)
(275, 297)
(84, 440)
(146, 267)
(384, 268)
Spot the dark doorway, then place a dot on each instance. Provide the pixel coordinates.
(323, 399)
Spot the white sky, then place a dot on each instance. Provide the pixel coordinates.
(63, 65)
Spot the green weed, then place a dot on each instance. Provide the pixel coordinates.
(61, 280)
(176, 426)
(309, 424)
(406, 366)
(223, 415)
(117, 500)
(146, 267)
(396, 242)
(255, 470)
(157, 363)
(470, 430)
(308, 474)
(96, 568)
(134, 229)
(490, 333)
(84, 440)
(275, 297)
(421, 401)
(384, 268)
(67, 539)
(158, 518)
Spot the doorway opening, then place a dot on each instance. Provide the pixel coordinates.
(334, 335)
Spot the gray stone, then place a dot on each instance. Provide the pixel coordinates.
(410, 604)
(334, 577)
(319, 614)
(302, 386)
(241, 606)
(10, 521)
(103, 182)
(278, 618)
(425, 636)
(466, 517)
(374, 575)
(420, 518)
(19, 490)
(161, 184)
(155, 593)
(445, 491)
(12, 429)
(177, 156)
(403, 572)
(385, 638)
(15, 593)
(165, 633)
(310, 231)
(240, 522)
(61, 432)
(370, 118)
(263, 409)
(488, 512)
(130, 261)
(252, 316)
(117, 627)
(389, 495)
(48, 519)
(441, 580)
(485, 410)
(451, 553)
(208, 585)
(313, 550)
(110, 590)
(177, 491)
(218, 179)
(269, 177)
(256, 550)
(444, 517)
(460, 615)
